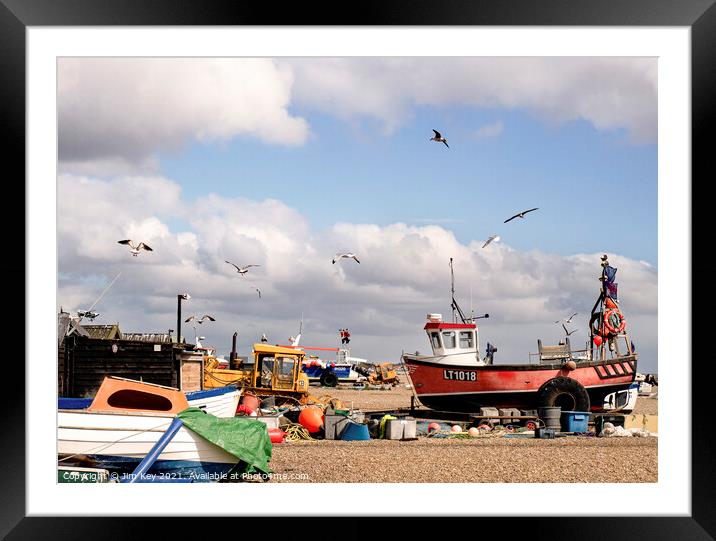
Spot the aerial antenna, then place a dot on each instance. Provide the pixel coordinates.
(101, 295)
(76, 324)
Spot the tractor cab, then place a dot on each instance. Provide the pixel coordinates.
(277, 369)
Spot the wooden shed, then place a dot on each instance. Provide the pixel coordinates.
(86, 362)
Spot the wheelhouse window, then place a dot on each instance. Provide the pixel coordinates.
(449, 339)
(435, 339)
(467, 339)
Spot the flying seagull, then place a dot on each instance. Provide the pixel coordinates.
(347, 255)
(520, 214)
(439, 138)
(495, 238)
(88, 314)
(567, 320)
(199, 321)
(242, 270)
(568, 332)
(135, 249)
(258, 291)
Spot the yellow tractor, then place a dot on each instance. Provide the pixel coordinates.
(276, 371)
(384, 373)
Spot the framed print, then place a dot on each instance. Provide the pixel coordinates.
(260, 200)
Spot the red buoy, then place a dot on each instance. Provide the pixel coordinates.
(597, 340)
(277, 435)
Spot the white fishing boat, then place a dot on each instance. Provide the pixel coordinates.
(119, 441)
(123, 423)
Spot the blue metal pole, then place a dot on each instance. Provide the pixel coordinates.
(154, 453)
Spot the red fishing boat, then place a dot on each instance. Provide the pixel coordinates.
(599, 378)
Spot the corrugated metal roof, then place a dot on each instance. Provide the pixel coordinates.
(103, 332)
(156, 337)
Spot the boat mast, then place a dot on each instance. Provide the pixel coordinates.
(452, 283)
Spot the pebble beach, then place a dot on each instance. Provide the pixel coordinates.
(489, 459)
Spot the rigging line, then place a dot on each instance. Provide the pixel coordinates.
(105, 291)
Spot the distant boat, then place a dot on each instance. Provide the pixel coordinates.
(125, 420)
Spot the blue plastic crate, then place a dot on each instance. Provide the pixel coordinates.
(575, 421)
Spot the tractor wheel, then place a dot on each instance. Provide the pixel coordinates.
(329, 379)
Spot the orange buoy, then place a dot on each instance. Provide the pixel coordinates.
(570, 365)
(433, 426)
(456, 428)
(597, 340)
(311, 418)
(473, 431)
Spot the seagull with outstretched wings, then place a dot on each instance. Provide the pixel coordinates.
(134, 249)
(520, 214)
(198, 320)
(568, 332)
(568, 319)
(242, 270)
(493, 238)
(347, 255)
(439, 138)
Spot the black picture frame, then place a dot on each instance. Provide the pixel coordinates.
(699, 15)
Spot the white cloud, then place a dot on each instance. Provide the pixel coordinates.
(116, 114)
(610, 93)
(403, 274)
(122, 111)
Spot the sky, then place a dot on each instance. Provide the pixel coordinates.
(284, 162)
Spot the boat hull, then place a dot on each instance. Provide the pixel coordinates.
(117, 442)
(466, 389)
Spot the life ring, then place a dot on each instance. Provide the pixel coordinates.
(614, 321)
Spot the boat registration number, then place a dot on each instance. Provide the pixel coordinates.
(460, 375)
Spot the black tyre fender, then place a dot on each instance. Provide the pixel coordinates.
(553, 391)
(329, 379)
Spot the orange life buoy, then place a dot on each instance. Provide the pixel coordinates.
(614, 321)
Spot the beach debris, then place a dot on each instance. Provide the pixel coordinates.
(241, 270)
(611, 431)
(134, 249)
(439, 138)
(520, 214)
(346, 255)
(493, 238)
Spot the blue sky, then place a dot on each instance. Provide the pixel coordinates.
(284, 162)
(595, 190)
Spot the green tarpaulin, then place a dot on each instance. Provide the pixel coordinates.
(246, 439)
